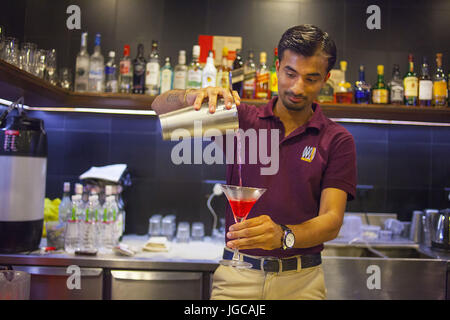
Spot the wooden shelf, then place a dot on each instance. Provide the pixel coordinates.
(39, 93)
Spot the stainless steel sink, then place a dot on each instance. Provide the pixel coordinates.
(374, 252)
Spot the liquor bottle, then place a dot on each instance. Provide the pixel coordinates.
(326, 94)
(273, 75)
(180, 72)
(439, 84)
(209, 74)
(139, 65)
(65, 205)
(237, 73)
(344, 92)
(82, 66)
(410, 83)
(97, 68)
(153, 71)
(223, 71)
(262, 78)
(380, 93)
(362, 88)
(248, 91)
(397, 92)
(425, 85)
(126, 72)
(111, 73)
(194, 74)
(166, 76)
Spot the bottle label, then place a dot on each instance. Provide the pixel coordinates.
(425, 90)
(262, 85)
(139, 69)
(152, 74)
(249, 80)
(194, 79)
(166, 80)
(273, 82)
(411, 86)
(439, 89)
(179, 81)
(380, 96)
(396, 93)
(110, 70)
(125, 67)
(237, 75)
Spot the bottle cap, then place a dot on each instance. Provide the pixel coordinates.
(126, 50)
(66, 186)
(224, 52)
(343, 65)
(108, 190)
(196, 50)
(275, 52)
(380, 69)
(112, 54)
(263, 57)
(78, 188)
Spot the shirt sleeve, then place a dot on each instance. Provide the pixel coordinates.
(341, 171)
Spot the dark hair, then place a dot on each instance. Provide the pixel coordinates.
(306, 39)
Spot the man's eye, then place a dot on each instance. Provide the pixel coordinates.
(290, 74)
(311, 80)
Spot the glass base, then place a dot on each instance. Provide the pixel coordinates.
(236, 264)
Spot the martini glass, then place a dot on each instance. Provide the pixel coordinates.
(241, 200)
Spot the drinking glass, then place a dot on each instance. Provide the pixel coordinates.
(65, 78)
(11, 51)
(50, 70)
(27, 56)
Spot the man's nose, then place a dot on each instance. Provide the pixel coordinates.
(298, 87)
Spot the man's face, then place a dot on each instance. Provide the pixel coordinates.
(300, 78)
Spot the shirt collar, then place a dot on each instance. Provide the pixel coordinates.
(316, 121)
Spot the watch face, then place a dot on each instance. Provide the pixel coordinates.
(290, 239)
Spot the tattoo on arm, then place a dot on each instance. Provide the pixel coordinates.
(175, 98)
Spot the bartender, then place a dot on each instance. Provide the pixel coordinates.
(305, 200)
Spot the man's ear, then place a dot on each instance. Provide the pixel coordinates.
(327, 77)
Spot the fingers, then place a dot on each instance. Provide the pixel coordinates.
(212, 97)
(198, 100)
(259, 241)
(228, 98)
(236, 97)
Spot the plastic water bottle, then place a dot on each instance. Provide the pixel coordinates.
(72, 233)
(89, 225)
(108, 225)
(65, 206)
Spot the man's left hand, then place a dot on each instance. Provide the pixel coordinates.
(255, 233)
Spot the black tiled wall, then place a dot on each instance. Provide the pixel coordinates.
(408, 166)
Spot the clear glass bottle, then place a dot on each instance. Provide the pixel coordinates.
(362, 88)
(65, 206)
(397, 93)
(249, 77)
(425, 85)
(97, 68)
(111, 73)
(152, 76)
(82, 66)
(194, 74)
(344, 92)
(262, 90)
(223, 71)
(126, 72)
(72, 232)
(439, 84)
(237, 73)
(180, 72)
(139, 66)
(166, 76)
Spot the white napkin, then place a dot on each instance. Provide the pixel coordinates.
(157, 244)
(109, 173)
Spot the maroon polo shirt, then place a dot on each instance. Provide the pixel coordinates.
(317, 155)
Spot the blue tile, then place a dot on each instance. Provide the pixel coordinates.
(408, 134)
(135, 124)
(88, 122)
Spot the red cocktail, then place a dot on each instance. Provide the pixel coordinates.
(241, 200)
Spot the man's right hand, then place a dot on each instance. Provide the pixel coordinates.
(196, 97)
(177, 99)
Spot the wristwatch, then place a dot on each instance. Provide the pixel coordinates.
(288, 239)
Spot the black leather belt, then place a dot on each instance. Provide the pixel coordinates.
(271, 264)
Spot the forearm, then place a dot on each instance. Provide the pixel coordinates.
(316, 231)
(169, 101)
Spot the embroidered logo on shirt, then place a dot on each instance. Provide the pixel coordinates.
(308, 154)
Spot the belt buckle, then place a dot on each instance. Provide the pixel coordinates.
(271, 260)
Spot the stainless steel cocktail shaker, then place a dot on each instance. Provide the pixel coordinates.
(198, 123)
